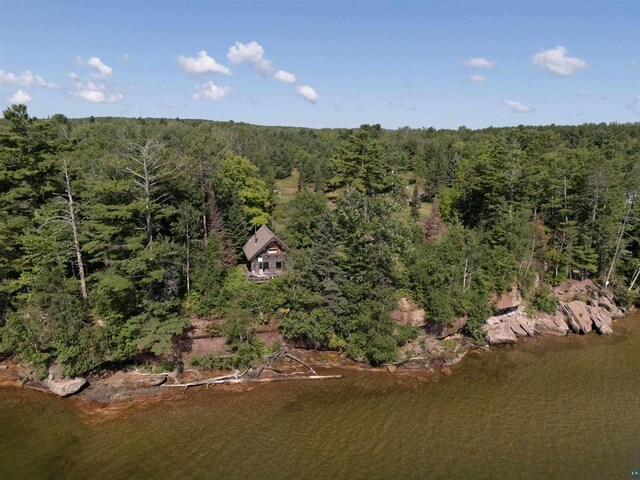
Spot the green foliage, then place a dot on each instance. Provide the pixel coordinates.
(405, 334)
(159, 243)
(305, 211)
(361, 162)
(246, 354)
(544, 300)
(239, 181)
(415, 203)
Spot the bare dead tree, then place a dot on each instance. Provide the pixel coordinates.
(68, 221)
(73, 222)
(148, 168)
(623, 225)
(634, 278)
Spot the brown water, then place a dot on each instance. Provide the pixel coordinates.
(560, 408)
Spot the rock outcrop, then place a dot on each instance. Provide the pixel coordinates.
(408, 314)
(65, 388)
(61, 385)
(498, 333)
(509, 300)
(545, 324)
(582, 308)
(444, 331)
(577, 316)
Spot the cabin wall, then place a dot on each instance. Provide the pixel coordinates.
(272, 255)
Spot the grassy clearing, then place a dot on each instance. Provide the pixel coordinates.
(288, 187)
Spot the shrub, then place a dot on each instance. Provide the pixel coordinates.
(545, 301)
(405, 334)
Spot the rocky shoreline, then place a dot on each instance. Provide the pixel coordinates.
(582, 308)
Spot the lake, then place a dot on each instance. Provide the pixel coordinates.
(547, 408)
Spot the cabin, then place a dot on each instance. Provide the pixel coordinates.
(265, 255)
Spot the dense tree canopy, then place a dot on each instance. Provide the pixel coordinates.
(114, 232)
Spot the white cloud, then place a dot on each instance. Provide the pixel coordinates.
(202, 64)
(478, 62)
(125, 57)
(25, 78)
(308, 93)
(556, 61)
(517, 107)
(210, 91)
(20, 97)
(93, 92)
(252, 53)
(284, 76)
(95, 96)
(476, 78)
(103, 70)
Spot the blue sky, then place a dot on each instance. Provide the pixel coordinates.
(422, 64)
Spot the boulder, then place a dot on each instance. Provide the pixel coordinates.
(605, 329)
(443, 331)
(578, 316)
(516, 326)
(508, 300)
(545, 324)
(407, 314)
(610, 307)
(65, 388)
(601, 320)
(499, 333)
(391, 368)
(524, 323)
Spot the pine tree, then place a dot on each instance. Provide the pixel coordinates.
(216, 228)
(361, 163)
(415, 203)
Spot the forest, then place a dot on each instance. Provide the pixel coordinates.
(116, 233)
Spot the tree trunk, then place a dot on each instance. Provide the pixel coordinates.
(74, 230)
(618, 242)
(634, 279)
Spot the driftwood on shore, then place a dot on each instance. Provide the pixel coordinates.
(233, 380)
(251, 375)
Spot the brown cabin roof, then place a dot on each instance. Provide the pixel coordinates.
(258, 241)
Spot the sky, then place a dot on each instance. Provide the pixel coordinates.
(441, 64)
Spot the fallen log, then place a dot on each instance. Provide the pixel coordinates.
(208, 381)
(233, 380)
(296, 359)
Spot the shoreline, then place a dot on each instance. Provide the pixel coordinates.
(106, 396)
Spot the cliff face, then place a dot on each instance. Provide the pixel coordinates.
(582, 308)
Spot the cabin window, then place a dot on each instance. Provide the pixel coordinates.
(272, 251)
(278, 265)
(264, 265)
